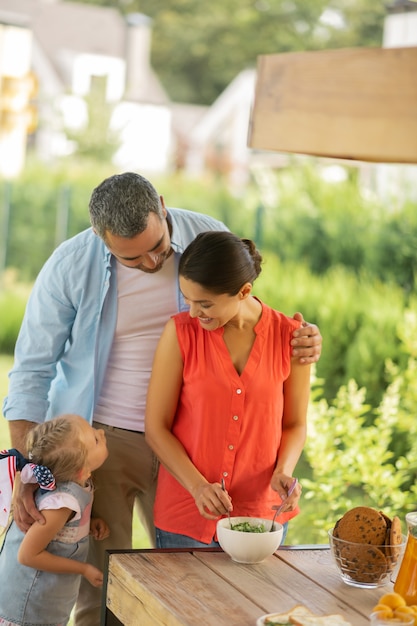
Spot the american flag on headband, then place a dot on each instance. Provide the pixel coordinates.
(7, 474)
(44, 476)
(12, 461)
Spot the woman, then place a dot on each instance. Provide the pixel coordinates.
(225, 399)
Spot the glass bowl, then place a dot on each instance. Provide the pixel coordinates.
(365, 565)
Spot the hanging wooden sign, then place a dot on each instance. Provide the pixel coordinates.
(354, 103)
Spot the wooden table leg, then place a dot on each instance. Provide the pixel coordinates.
(107, 617)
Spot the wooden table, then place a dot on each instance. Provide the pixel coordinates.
(205, 587)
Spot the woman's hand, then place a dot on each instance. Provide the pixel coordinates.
(281, 484)
(211, 501)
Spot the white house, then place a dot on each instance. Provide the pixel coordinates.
(70, 44)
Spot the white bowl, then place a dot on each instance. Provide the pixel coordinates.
(248, 547)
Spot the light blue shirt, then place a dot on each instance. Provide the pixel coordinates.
(67, 331)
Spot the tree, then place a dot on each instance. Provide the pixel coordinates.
(96, 140)
(198, 48)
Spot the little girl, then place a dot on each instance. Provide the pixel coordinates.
(40, 569)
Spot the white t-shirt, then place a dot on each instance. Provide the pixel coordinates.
(145, 303)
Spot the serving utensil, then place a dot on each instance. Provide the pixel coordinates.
(228, 512)
(278, 507)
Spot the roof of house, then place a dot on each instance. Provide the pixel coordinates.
(70, 27)
(98, 30)
(238, 95)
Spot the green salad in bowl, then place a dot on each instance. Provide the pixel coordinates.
(248, 539)
(247, 527)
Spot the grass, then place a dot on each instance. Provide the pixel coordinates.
(5, 365)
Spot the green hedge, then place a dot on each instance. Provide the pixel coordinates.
(12, 306)
(342, 257)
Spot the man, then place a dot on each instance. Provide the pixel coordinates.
(87, 341)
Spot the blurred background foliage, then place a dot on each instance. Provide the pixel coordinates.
(199, 48)
(341, 255)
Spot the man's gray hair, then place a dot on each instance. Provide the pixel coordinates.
(121, 205)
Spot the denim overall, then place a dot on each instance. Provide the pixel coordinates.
(30, 597)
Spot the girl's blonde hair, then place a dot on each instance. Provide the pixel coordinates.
(57, 445)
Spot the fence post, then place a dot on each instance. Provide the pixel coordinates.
(62, 214)
(4, 231)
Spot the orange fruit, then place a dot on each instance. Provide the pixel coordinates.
(393, 600)
(414, 607)
(405, 610)
(384, 609)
